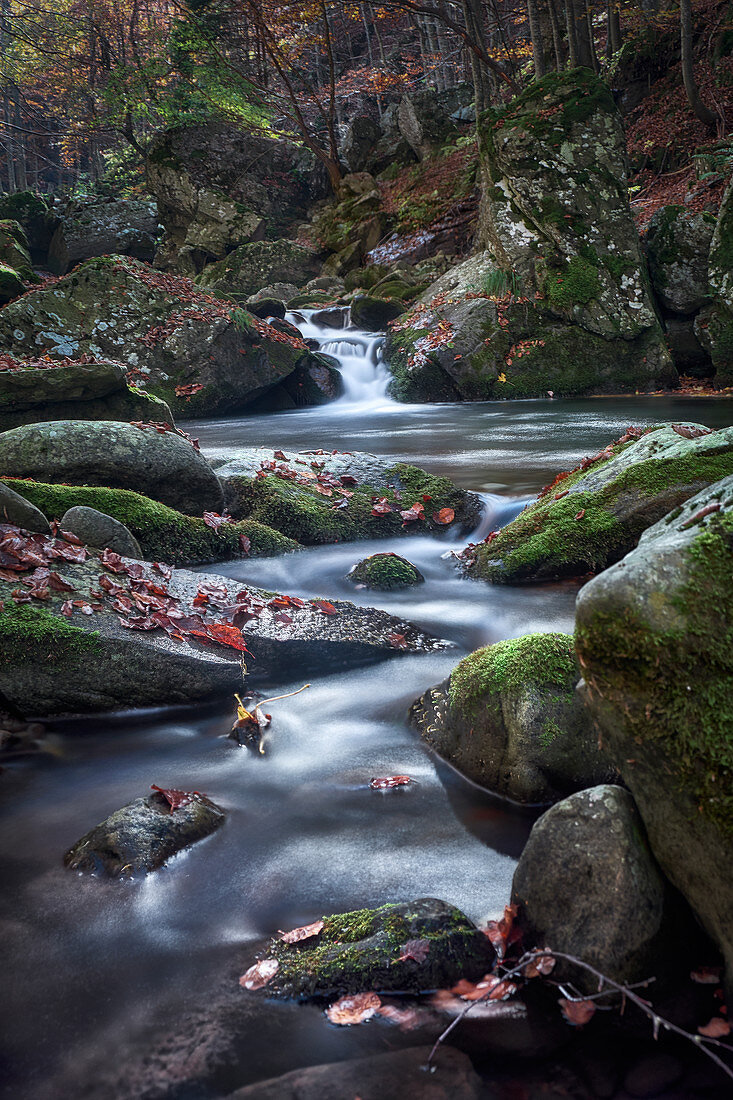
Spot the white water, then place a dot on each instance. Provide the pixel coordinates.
(359, 354)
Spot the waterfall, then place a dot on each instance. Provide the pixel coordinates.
(358, 354)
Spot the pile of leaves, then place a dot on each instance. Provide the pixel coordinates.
(9, 362)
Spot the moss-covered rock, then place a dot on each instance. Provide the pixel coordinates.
(199, 354)
(655, 641)
(164, 534)
(35, 215)
(286, 493)
(509, 719)
(11, 284)
(124, 227)
(360, 951)
(385, 572)
(373, 313)
(14, 250)
(253, 266)
(677, 246)
(590, 518)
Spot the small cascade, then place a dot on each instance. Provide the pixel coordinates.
(358, 354)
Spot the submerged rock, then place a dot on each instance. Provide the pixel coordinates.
(590, 518)
(97, 529)
(296, 492)
(360, 951)
(143, 835)
(587, 884)
(162, 464)
(509, 719)
(385, 572)
(653, 636)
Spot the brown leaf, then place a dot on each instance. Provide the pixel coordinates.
(260, 974)
(174, 797)
(444, 516)
(580, 514)
(577, 1013)
(389, 781)
(305, 933)
(354, 1009)
(717, 1028)
(502, 932)
(417, 950)
(215, 521)
(324, 606)
(540, 966)
(689, 433)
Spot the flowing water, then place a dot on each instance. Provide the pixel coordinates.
(89, 964)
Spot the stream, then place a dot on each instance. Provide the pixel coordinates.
(89, 964)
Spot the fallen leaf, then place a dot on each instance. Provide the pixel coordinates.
(580, 514)
(717, 1028)
(542, 965)
(417, 950)
(215, 521)
(577, 1013)
(354, 1009)
(305, 933)
(260, 974)
(503, 932)
(444, 516)
(174, 797)
(707, 975)
(324, 606)
(245, 544)
(389, 781)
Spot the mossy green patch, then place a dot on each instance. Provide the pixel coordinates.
(385, 572)
(575, 284)
(32, 634)
(540, 659)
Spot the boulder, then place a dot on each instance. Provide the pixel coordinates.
(315, 381)
(250, 267)
(199, 354)
(89, 632)
(424, 117)
(96, 529)
(266, 307)
(509, 719)
(162, 463)
(14, 250)
(280, 292)
(361, 951)
(385, 573)
(125, 227)
(714, 324)
(19, 512)
(588, 885)
(677, 246)
(143, 835)
(359, 141)
(163, 534)
(295, 493)
(33, 390)
(374, 313)
(11, 284)
(36, 216)
(591, 517)
(653, 636)
(390, 1076)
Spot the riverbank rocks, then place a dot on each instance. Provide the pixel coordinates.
(509, 719)
(16, 510)
(143, 835)
(198, 353)
(562, 302)
(362, 951)
(124, 227)
(161, 463)
(252, 266)
(653, 637)
(296, 492)
(88, 632)
(385, 573)
(591, 517)
(677, 246)
(33, 390)
(162, 533)
(587, 884)
(96, 529)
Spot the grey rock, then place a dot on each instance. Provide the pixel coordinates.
(587, 884)
(163, 466)
(96, 529)
(252, 266)
(16, 510)
(38, 218)
(359, 141)
(125, 227)
(143, 835)
(677, 247)
(374, 314)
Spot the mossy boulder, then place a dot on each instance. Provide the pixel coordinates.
(35, 215)
(253, 266)
(124, 227)
(34, 390)
(11, 284)
(360, 951)
(654, 640)
(163, 533)
(374, 313)
(385, 573)
(509, 719)
(587, 884)
(588, 519)
(199, 354)
(122, 456)
(677, 246)
(14, 250)
(143, 835)
(296, 494)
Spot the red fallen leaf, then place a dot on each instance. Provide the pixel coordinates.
(347, 479)
(577, 1013)
(283, 617)
(189, 390)
(215, 521)
(397, 641)
(279, 601)
(322, 490)
(389, 781)
(354, 1009)
(305, 933)
(59, 584)
(580, 514)
(7, 575)
(68, 553)
(20, 596)
(227, 635)
(112, 561)
(281, 456)
(707, 975)
(543, 965)
(690, 433)
(426, 497)
(406, 1018)
(69, 536)
(260, 974)
(502, 933)
(717, 1028)
(83, 606)
(200, 600)
(564, 493)
(215, 592)
(382, 507)
(245, 544)
(174, 797)
(706, 511)
(324, 606)
(164, 570)
(409, 515)
(417, 950)
(67, 608)
(140, 622)
(444, 516)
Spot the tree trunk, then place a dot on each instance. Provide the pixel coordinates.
(572, 37)
(535, 31)
(688, 74)
(473, 18)
(558, 43)
(582, 37)
(614, 28)
(21, 178)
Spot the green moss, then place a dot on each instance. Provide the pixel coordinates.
(575, 284)
(550, 733)
(385, 572)
(163, 533)
(32, 633)
(551, 106)
(541, 659)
